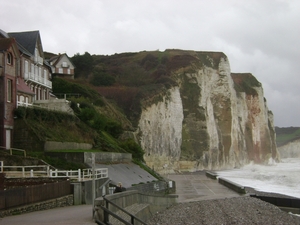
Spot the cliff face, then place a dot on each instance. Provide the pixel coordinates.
(212, 119)
(290, 150)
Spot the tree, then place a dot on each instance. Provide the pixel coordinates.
(101, 78)
(83, 64)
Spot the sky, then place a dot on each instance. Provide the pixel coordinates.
(261, 37)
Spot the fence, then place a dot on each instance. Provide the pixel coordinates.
(11, 150)
(84, 174)
(31, 194)
(25, 171)
(45, 171)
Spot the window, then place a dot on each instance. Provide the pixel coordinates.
(60, 70)
(36, 53)
(32, 70)
(22, 99)
(64, 64)
(9, 59)
(9, 90)
(26, 69)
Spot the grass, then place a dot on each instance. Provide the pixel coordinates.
(58, 163)
(285, 135)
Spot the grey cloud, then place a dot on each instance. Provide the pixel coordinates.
(261, 37)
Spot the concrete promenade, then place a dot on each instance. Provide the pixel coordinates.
(196, 187)
(189, 187)
(71, 215)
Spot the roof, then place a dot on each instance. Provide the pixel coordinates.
(27, 39)
(22, 87)
(57, 58)
(5, 43)
(3, 34)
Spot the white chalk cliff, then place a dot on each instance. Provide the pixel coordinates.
(212, 119)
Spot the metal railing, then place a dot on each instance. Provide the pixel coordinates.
(107, 212)
(85, 174)
(32, 76)
(25, 171)
(45, 171)
(25, 104)
(14, 149)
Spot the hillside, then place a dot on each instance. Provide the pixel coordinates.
(285, 135)
(183, 109)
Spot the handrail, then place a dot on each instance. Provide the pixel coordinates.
(16, 149)
(25, 171)
(107, 211)
(45, 171)
(80, 174)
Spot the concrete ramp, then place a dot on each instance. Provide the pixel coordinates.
(127, 173)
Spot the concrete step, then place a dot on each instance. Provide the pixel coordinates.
(132, 209)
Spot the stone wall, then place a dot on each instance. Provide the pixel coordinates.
(50, 204)
(55, 145)
(154, 203)
(83, 190)
(107, 157)
(159, 187)
(61, 105)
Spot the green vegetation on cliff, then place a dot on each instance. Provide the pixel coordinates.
(286, 134)
(109, 93)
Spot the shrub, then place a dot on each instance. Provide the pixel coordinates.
(135, 149)
(100, 78)
(113, 128)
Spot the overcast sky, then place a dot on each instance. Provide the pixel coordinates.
(258, 36)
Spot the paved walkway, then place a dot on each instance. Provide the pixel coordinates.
(71, 215)
(189, 187)
(196, 186)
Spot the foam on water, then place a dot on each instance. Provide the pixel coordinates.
(282, 178)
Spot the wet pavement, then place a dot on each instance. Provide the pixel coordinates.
(197, 186)
(75, 215)
(189, 187)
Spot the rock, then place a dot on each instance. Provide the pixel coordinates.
(213, 119)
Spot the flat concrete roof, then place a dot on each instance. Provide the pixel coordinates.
(126, 173)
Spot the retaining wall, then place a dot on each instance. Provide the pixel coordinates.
(24, 195)
(108, 157)
(233, 186)
(158, 187)
(50, 204)
(55, 145)
(83, 190)
(125, 199)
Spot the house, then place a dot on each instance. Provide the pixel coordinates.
(25, 77)
(35, 72)
(62, 66)
(9, 72)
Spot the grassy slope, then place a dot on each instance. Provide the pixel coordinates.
(286, 134)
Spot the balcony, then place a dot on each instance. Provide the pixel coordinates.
(39, 60)
(39, 80)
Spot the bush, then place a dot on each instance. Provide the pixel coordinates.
(113, 128)
(135, 149)
(100, 78)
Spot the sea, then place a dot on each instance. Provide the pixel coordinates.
(282, 177)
